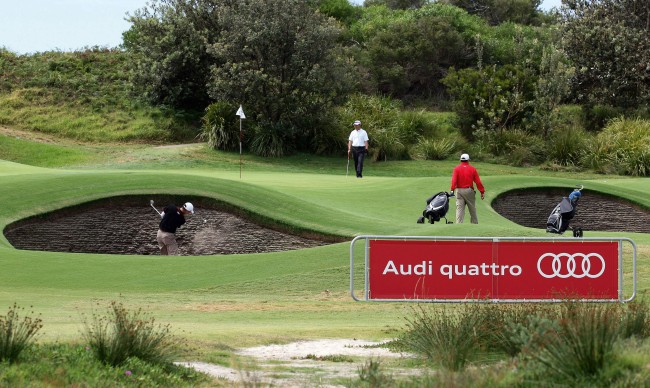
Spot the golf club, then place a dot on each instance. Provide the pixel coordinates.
(154, 208)
(347, 169)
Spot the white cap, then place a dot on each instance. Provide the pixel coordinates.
(357, 122)
(464, 157)
(189, 207)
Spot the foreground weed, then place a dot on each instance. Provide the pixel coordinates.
(635, 320)
(121, 335)
(371, 374)
(16, 334)
(584, 343)
(514, 327)
(448, 337)
(66, 365)
(330, 358)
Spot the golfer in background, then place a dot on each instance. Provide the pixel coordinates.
(172, 218)
(358, 144)
(462, 181)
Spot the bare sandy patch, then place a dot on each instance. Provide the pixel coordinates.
(300, 364)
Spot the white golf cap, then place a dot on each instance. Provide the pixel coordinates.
(464, 157)
(357, 122)
(189, 207)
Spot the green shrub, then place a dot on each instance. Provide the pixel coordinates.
(490, 98)
(518, 146)
(16, 334)
(121, 335)
(596, 117)
(220, 126)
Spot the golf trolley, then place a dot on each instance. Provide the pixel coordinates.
(563, 213)
(437, 207)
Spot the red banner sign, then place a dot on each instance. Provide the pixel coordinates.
(542, 270)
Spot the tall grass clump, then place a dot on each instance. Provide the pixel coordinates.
(16, 334)
(371, 374)
(380, 117)
(73, 365)
(629, 141)
(433, 149)
(272, 140)
(583, 344)
(635, 320)
(514, 146)
(515, 328)
(445, 336)
(219, 126)
(120, 335)
(565, 147)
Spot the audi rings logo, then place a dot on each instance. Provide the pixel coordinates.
(565, 265)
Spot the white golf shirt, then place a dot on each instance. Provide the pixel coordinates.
(358, 137)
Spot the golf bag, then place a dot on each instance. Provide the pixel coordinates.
(563, 213)
(437, 207)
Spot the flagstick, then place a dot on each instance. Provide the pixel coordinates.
(240, 113)
(240, 136)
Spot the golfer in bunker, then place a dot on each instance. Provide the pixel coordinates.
(172, 218)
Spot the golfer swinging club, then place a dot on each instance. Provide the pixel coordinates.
(172, 218)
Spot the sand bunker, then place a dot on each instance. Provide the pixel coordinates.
(595, 211)
(118, 226)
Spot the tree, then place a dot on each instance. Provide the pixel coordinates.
(168, 47)
(279, 58)
(397, 4)
(607, 41)
(340, 10)
(499, 11)
(408, 52)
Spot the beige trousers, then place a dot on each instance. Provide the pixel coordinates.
(466, 197)
(167, 243)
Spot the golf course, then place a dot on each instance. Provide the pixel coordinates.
(307, 151)
(224, 302)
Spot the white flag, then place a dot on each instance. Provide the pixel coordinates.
(240, 113)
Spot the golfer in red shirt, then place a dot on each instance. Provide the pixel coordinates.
(462, 181)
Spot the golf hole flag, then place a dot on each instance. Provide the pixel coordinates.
(240, 113)
(500, 269)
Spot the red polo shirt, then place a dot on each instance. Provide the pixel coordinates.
(464, 176)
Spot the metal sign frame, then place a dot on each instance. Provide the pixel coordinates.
(366, 287)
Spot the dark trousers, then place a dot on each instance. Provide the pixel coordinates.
(358, 153)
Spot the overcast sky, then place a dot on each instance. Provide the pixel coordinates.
(28, 26)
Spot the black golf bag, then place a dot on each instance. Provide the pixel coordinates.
(437, 207)
(563, 213)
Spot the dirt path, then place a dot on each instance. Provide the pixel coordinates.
(304, 363)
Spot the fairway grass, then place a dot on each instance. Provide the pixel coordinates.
(232, 301)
